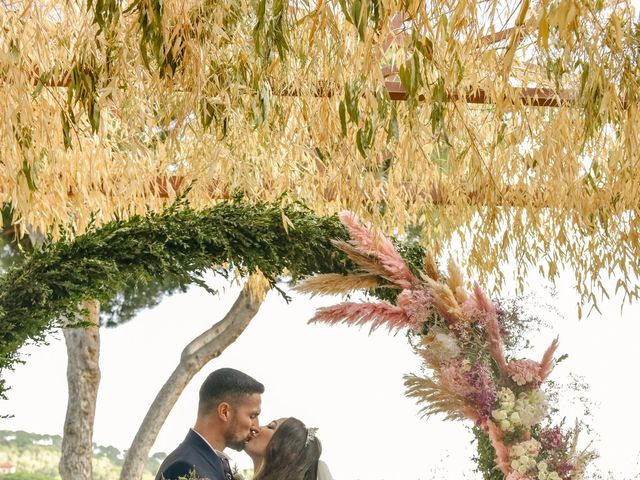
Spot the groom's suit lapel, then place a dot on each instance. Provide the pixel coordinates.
(197, 443)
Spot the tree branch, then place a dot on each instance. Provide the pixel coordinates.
(204, 348)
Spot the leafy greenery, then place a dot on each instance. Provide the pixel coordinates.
(37, 456)
(486, 458)
(11, 249)
(25, 476)
(162, 252)
(119, 309)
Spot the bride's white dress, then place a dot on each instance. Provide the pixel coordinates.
(323, 471)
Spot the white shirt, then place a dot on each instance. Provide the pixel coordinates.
(218, 453)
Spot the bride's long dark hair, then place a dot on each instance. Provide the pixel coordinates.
(288, 454)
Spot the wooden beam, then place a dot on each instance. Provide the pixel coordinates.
(517, 196)
(510, 196)
(497, 36)
(532, 97)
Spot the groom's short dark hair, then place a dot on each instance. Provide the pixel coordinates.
(226, 385)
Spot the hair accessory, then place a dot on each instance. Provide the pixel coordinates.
(311, 434)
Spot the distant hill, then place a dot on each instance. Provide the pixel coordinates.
(36, 457)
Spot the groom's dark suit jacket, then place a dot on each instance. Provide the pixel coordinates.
(192, 454)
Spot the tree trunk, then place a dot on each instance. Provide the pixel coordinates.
(195, 356)
(83, 377)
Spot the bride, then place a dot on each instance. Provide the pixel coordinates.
(286, 448)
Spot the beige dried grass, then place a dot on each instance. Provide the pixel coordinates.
(335, 283)
(434, 398)
(455, 281)
(445, 303)
(557, 185)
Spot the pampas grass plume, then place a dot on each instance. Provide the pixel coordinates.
(367, 263)
(335, 283)
(374, 243)
(502, 451)
(352, 313)
(434, 398)
(456, 281)
(546, 364)
(360, 235)
(429, 266)
(445, 302)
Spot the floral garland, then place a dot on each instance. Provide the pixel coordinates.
(467, 373)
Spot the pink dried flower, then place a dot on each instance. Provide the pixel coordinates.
(483, 394)
(564, 469)
(524, 371)
(552, 439)
(454, 378)
(418, 306)
(515, 475)
(378, 314)
(361, 236)
(494, 339)
(478, 306)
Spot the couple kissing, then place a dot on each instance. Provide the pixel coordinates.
(228, 411)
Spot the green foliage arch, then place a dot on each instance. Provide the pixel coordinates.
(173, 249)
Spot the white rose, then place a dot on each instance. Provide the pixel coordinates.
(499, 415)
(447, 345)
(506, 395)
(533, 447)
(517, 451)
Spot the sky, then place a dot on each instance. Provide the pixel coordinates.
(340, 379)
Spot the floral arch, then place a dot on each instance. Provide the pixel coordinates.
(468, 374)
(460, 337)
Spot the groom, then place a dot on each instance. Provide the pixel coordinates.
(227, 417)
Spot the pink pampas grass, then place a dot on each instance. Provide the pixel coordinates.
(481, 307)
(361, 236)
(352, 313)
(502, 451)
(479, 303)
(546, 365)
(376, 244)
(492, 330)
